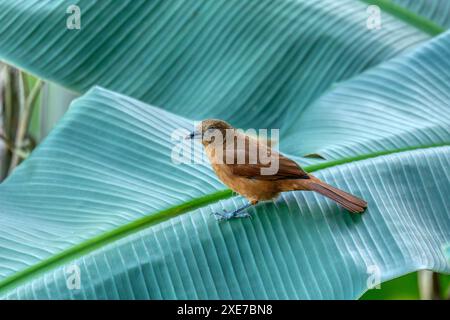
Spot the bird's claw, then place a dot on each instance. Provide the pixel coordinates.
(227, 216)
(220, 216)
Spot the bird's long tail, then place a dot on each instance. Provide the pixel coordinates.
(348, 201)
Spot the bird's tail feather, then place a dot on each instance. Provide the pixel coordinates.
(348, 201)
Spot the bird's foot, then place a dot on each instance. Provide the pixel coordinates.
(231, 215)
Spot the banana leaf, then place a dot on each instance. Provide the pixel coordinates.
(400, 104)
(266, 59)
(101, 193)
(435, 10)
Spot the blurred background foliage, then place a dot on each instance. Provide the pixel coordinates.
(407, 288)
(26, 100)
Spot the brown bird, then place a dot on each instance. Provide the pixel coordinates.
(243, 163)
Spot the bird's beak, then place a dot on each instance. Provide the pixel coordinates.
(193, 135)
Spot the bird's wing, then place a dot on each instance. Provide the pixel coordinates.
(287, 168)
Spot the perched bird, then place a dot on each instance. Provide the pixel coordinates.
(233, 159)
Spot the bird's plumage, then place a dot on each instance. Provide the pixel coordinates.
(240, 165)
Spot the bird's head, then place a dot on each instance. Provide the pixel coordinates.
(209, 130)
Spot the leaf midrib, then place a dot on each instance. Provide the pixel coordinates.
(408, 16)
(163, 215)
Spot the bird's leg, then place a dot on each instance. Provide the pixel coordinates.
(238, 213)
(233, 214)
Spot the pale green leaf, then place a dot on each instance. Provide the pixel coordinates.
(102, 193)
(255, 63)
(435, 10)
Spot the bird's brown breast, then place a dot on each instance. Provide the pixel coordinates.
(252, 189)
